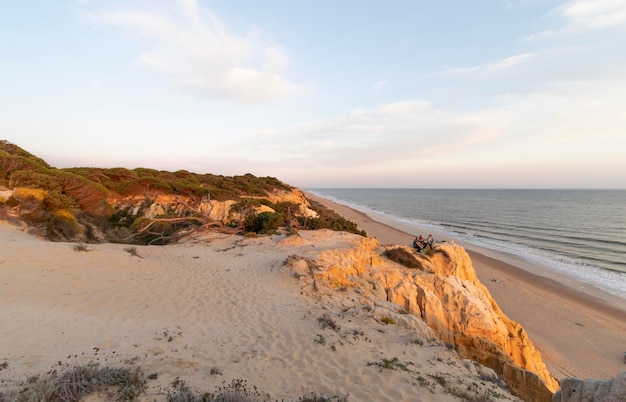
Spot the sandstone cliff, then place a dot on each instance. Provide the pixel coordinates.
(445, 295)
(161, 204)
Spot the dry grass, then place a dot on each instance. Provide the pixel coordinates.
(125, 384)
(402, 256)
(78, 382)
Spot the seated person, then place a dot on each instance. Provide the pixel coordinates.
(430, 241)
(418, 243)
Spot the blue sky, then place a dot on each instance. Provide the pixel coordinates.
(463, 94)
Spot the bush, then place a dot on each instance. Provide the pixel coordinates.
(62, 225)
(328, 219)
(402, 256)
(30, 194)
(265, 222)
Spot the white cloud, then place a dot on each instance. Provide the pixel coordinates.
(586, 15)
(489, 68)
(562, 123)
(594, 14)
(508, 62)
(197, 52)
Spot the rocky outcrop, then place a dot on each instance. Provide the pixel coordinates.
(446, 294)
(577, 390)
(221, 211)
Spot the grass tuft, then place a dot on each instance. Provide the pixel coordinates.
(327, 322)
(402, 256)
(390, 364)
(73, 385)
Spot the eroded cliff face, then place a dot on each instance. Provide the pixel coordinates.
(445, 294)
(161, 204)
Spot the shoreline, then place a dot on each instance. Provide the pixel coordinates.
(566, 319)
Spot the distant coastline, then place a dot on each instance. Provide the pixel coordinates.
(554, 233)
(547, 304)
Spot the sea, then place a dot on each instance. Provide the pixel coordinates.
(577, 233)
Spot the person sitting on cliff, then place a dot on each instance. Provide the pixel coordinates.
(430, 242)
(419, 243)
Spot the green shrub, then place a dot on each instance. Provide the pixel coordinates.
(402, 256)
(265, 222)
(328, 219)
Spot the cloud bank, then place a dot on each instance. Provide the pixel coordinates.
(195, 51)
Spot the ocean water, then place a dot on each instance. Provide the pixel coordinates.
(578, 233)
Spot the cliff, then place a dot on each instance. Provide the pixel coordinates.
(445, 295)
(142, 205)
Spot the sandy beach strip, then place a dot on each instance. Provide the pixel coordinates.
(580, 330)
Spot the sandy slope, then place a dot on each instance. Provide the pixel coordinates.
(222, 303)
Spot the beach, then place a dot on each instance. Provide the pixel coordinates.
(580, 330)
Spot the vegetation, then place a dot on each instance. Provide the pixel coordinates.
(327, 322)
(80, 381)
(390, 364)
(388, 320)
(124, 384)
(120, 205)
(402, 256)
(328, 219)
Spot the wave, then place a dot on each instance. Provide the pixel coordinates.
(595, 260)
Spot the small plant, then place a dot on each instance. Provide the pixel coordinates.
(132, 251)
(439, 378)
(236, 391)
(423, 381)
(320, 340)
(80, 247)
(319, 398)
(388, 320)
(216, 371)
(153, 376)
(390, 364)
(166, 335)
(402, 256)
(327, 322)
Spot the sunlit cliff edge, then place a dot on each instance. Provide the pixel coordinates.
(442, 298)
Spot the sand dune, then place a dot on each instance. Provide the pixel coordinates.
(209, 310)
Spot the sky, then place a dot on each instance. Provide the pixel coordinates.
(350, 93)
